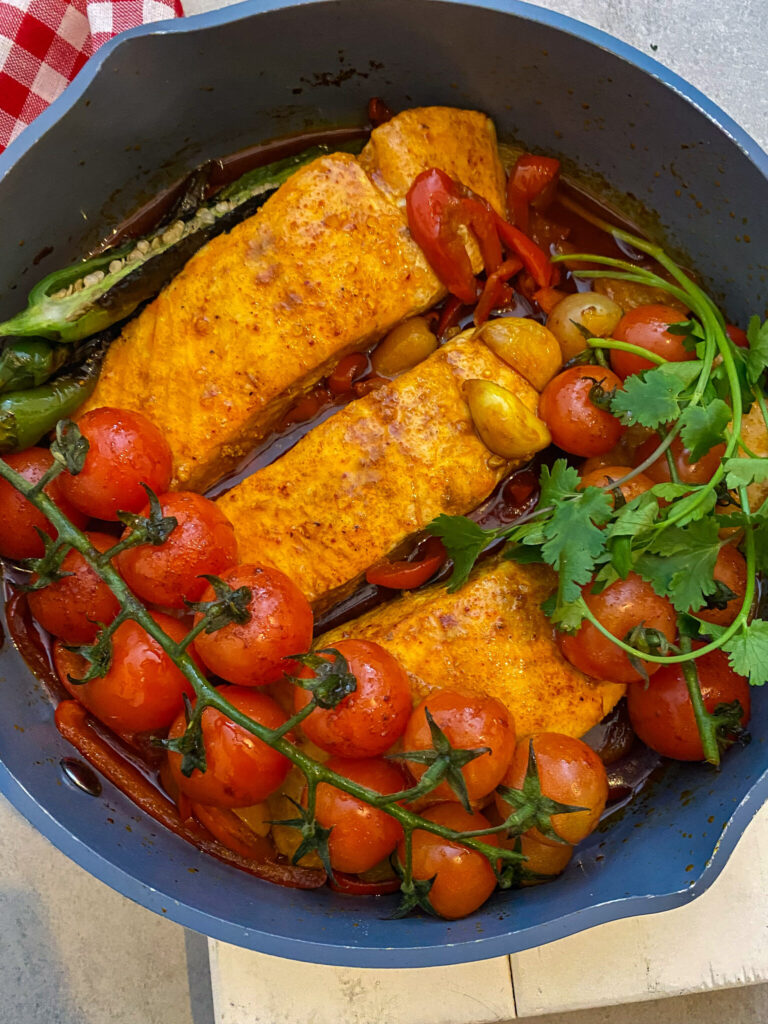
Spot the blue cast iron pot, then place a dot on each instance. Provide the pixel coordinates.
(159, 100)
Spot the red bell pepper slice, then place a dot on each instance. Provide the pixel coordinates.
(496, 292)
(407, 575)
(436, 210)
(352, 886)
(532, 178)
(450, 315)
(548, 298)
(346, 372)
(535, 260)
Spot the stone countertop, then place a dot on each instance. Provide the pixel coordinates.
(75, 952)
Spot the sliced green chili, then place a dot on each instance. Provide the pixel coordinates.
(27, 364)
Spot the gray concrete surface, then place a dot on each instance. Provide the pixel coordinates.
(73, 951)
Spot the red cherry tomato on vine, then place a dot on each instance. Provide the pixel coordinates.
(577, 425)
(570, 772)
(646, 327)
(468, 722)
(621, 607)
(463, 878)
(241, 769)
(737, 336)
(361, 835)
(254, 653)
(731, 570)
(142, 690)
(662, 713)
(368, 721)
(699, 472)
(125, 451)
(203, 541)
(18, 518)
(608, 475)
(75, 608)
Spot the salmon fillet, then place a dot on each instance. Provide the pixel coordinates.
(327, 266)
(376, 472)
(491, 637)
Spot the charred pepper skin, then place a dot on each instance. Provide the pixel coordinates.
(27, 416)
(28, 364)
(101, 297)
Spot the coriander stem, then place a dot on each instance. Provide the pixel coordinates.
(625, 346)
(705, 723)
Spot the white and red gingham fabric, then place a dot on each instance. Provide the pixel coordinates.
(44, 43)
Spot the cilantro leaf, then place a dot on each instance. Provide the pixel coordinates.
(560, 482)
(651, 398)
(704, 427)
(574, 540)
(757, 358)
(680, 563)
(464, 540)
(749, 651)
(635, 517)
(693, 506)
(741, 472)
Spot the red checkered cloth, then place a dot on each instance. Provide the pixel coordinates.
(44, 43)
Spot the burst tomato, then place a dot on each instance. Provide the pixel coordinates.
(125, 451)
(255, 652)
(20, 520)
(241, 769)
(463, 878)
(203, 541)
(647, 327)
(662, 714)
(361, 835)
(621, 607)
(142, 691)
(567, 406)
(74, 608)
(570, 772)
(368, 721)
(468, 722)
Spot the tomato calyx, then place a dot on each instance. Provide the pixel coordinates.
(154, 528)
(230, 604)
(404, 574)
(314, 836)
(444, 762)
(649, 641)
(600, 396)
(332, 680)
(414, 892)
(530, 809)
(191, 743)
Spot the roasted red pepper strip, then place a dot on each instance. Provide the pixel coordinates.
(436, 210)
(532, 178)
(548, 298)
(346, 372)
(353, 886)
(496, 292)
(534, 259)
(450, 315)
(407, 575)
(75, 726)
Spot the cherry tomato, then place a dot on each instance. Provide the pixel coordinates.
(619, 608)
(569, 772)
(234, 833)
(468, 722)
(543, 858)
(699, 472)
(404, 575)
(254, 653)
(74, 608)
(203, 541)
(241, 769)
(463, 878)
(369, 720)
(142, 690)
(347, 371)
(361, 835)
(577, 425)
(608, 475)
(737, 336)
(731, 570)
(646, 327)
(126, 450)
(662, 713)
(18, 518)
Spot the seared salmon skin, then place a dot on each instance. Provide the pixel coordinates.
(376, 472)
(327, 266)
(490, 637)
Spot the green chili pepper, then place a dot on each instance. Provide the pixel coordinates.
(79, 301)
(27, 364)
(26, 416)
